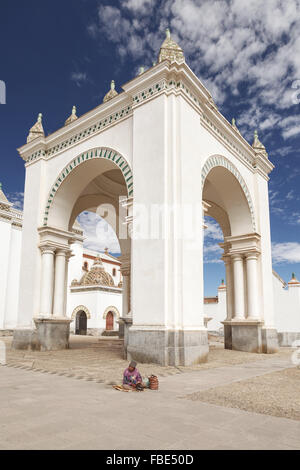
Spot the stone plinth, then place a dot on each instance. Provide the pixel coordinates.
(168, 347)
(250, 336)
(25, 339)
(53, 333)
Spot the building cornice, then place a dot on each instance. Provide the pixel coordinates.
(86, 126)
(163, 78)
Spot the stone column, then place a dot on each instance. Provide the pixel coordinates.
(252, 286)
(126, 291)
(229, 288)
(238, 276)
(59, 284)
(47, 275)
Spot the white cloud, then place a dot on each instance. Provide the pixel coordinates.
(98, 233)
(288, 252)
(236, 42)
(213, 229)
(17, 199)
(79, 78)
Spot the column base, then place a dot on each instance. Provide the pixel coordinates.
(127, 322)
(287, 338)
(53, 333)
(25, 339)
(168, 347)
(270, 342)
(250, 336)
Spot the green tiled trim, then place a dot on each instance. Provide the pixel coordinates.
(95, 153)
(98, 127)
(217, 160)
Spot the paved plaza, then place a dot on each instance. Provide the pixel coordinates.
(60, 409)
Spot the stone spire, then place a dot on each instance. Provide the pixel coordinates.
(234, 125)
(3, 198)
(5, 205)
(37, 130)
(73, 116)
(170, 50)
(294, 281)
(112, 92)
(258, 146)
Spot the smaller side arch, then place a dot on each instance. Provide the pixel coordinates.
(218, 160)
(114, 310)
(79, 309)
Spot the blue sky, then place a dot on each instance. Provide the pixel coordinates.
(58, 53)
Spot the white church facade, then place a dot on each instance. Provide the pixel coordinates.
(164, 150)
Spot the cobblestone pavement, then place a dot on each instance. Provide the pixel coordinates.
(276, 394)
(101, 359)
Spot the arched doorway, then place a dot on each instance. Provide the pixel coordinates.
(81, 323)
(109, 324)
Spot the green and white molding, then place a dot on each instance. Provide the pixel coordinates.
(217, 160)
(100, 152)
(84, 134)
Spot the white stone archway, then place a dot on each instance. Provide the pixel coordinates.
(166, 130)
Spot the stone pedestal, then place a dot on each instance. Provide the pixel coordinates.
(121, 327)
(168, 347)
(25, 339)
(250, 336)
(269, 338)
(127, 322)
(227, 336)
(53, 333)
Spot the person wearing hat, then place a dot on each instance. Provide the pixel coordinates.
(132, 377)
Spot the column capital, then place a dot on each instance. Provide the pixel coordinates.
(47, 249)
(62, 251)
(252, 255)
(236, 256)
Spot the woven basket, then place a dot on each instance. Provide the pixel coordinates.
(153, 382)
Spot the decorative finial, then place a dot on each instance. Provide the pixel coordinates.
(142, 70)
(170, 50)
(36, 130)
(222, 282)
(234, 125)
(112, 92)
(154, 63)
(293, 276)
(258, 146)
(0, 186)
(73, 116)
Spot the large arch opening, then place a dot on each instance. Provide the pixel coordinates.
(96, 183)
(229, 210)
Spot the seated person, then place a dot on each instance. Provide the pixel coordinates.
(132, 377)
